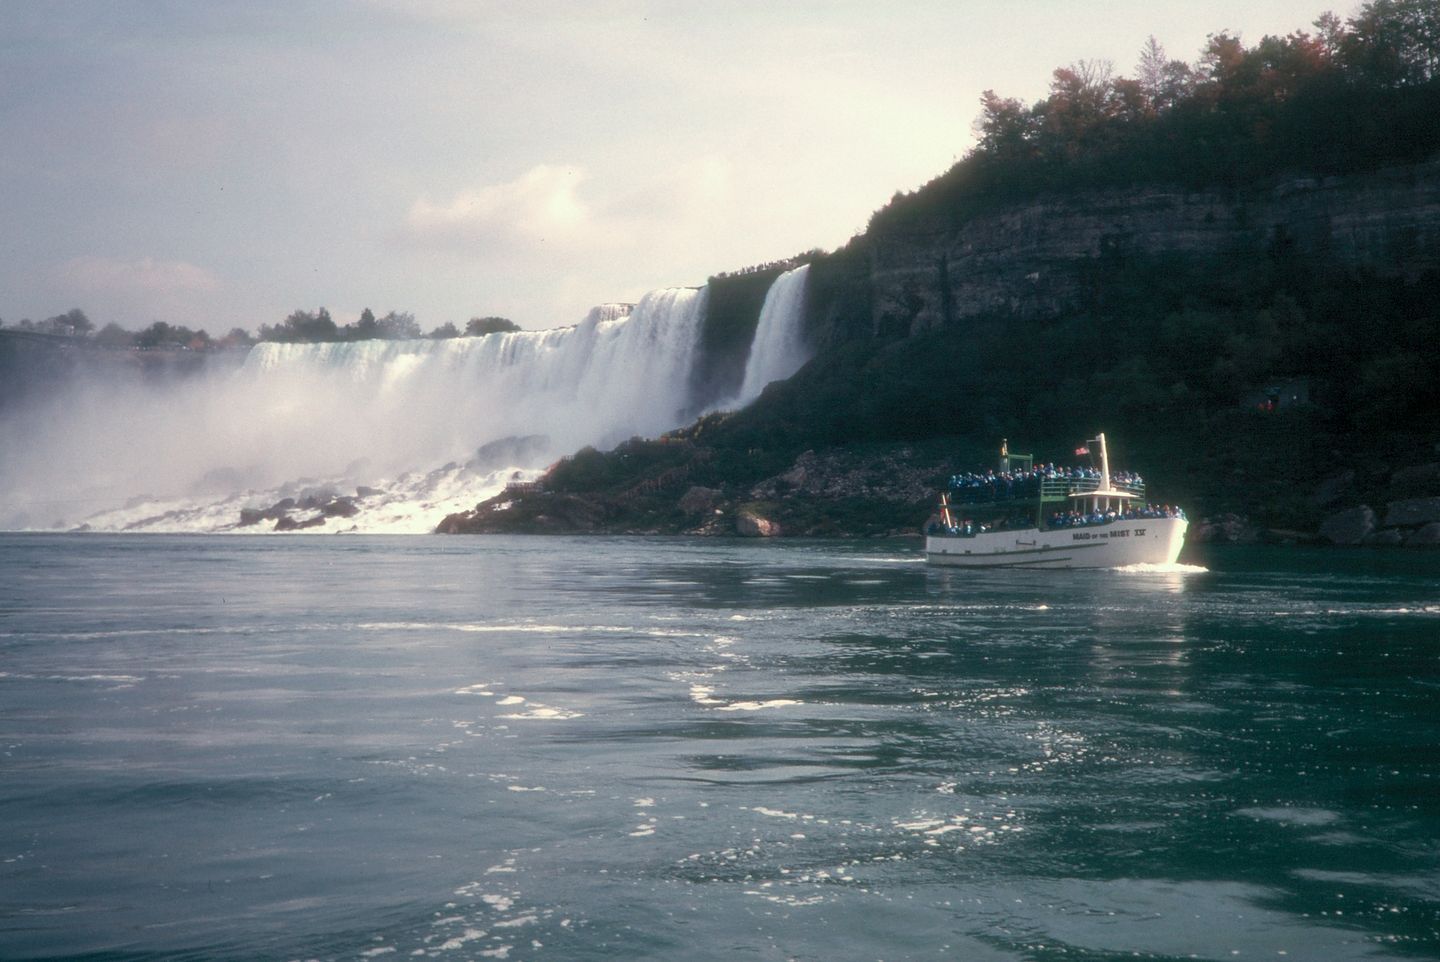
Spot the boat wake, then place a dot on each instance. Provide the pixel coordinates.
(1145, 568)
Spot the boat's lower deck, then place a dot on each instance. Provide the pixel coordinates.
(1112, 545)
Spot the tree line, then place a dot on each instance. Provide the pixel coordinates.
(778, 267)
(301, 326)
(1350, 95)
(315, 327)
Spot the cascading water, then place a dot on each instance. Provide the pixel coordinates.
(330, 417)
(779, 348)
(406, 402)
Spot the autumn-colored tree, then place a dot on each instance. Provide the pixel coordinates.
(1351, 95)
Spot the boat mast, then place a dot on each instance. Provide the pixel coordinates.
(1104, 463)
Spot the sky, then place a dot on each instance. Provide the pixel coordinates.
(220, 164)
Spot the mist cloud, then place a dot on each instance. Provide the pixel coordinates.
(145, 276)
(540, 208)
(137, 291)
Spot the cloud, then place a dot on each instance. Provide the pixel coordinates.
(543, 212)
(146, 277)
(484, 13)
(545, 246)
(694, 194)
(136, 292)
(538, 209)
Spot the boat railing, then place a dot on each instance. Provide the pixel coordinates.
(973, 528)
(1056, 489)
(1086, 485)
(999, 494)
(1059, 489)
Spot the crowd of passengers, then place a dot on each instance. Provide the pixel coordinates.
(1075, 519)
(972, 488)
(1060, 519)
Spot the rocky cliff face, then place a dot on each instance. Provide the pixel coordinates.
(1042, 257)
(1407, 508)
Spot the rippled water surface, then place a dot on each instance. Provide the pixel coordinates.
(341, 748)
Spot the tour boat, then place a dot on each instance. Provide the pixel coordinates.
(1029, 516)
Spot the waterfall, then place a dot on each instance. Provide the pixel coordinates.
(406, 417)
(403, 402)
(779, 348)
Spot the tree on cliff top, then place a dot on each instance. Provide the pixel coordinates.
(364, 328)
(302, 327)
(478, 326)
(399, 326)
(1354, 95)
(1395, 41)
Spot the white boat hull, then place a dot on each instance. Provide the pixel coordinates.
(1111, 545)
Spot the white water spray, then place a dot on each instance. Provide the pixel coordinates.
(187, 455)
(406, 403)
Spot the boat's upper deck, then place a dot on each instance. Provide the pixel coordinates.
(1042, 485)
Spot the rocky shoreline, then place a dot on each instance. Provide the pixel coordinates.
(1396, 509)
(890, 493)
(821, 494)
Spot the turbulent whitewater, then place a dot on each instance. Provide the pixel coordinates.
(368, 436)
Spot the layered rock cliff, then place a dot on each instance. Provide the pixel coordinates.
(1047, 256)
